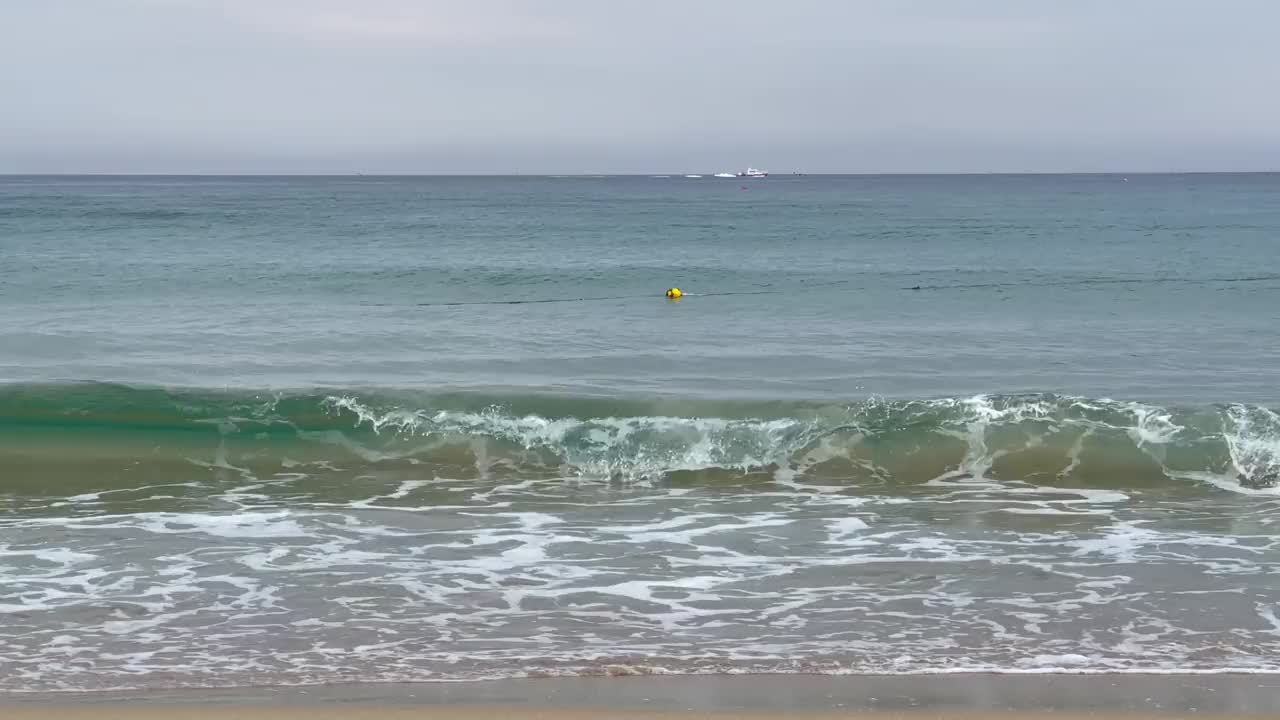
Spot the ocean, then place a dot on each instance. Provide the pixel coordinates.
(289, 430)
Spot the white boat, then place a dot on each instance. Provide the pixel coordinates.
(753, 173)
(693, 176)
(728, 175)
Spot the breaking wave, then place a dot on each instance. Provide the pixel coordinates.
(1044, 439)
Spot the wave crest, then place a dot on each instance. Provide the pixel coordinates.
(1041, 439)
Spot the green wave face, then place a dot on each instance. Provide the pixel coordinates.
(74, 438)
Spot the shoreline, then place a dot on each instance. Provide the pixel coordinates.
(815, 696)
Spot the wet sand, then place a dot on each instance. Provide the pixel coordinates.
(196, 712)
(1061, 697)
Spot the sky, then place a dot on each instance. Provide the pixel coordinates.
(603, 86)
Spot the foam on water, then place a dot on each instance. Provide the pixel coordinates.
(635, 448)
(615, 579)
(649, 447)
(999, 534)
(452, 429)
(966, 442)
(1253, 439)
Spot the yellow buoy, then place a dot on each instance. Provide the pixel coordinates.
(674, 294)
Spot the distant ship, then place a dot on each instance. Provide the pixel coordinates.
(748, 173)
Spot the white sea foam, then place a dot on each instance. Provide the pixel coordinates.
(831, 563)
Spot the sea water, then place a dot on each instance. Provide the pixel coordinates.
(298, 429)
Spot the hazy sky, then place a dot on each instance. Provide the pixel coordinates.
(441, 86)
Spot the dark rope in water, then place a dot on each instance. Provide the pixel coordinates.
(833, 283)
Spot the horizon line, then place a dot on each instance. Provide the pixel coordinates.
(654, 174)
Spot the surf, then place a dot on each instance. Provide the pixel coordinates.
(1044, 439)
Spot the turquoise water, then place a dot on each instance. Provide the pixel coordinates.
(292, 430)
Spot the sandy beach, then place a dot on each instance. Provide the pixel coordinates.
(958, 696)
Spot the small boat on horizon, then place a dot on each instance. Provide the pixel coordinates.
(751, 172)
(725, 175)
